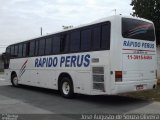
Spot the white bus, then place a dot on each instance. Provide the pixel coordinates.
(110, 56)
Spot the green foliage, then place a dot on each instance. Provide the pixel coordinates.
(148, 9)
(1, 70)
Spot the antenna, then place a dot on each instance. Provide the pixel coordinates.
(115, 10)
(41, 31)
(67, 27)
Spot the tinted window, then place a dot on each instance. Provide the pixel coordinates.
(64, 42)
(20, 50)
(86, 39)
(48, 48)
(137, 29)
(96, 37)
(24, 50)
(105, 41)
(56, 44)
(8, 50)
(75, 41)
(41, 47)
(16, 50)
(12, 50)
(36, 47)
(31, 48)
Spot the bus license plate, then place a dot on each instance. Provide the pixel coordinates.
(139, 87)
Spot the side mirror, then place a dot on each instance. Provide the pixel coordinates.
(3, 56)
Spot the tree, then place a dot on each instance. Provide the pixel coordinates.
(148, 9)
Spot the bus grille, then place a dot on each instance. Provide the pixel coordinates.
(98, 78)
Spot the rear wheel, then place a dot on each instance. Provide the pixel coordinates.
(66, 88)
(14, 80)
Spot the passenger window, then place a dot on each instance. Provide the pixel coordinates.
(105, 42)
(31, 48)
(16, 51)
(48, 47)
(20, 50)
(12, 50)
(56, 44)
(75, 41)
(64, 42)
(24, 49)
(86, 40)
(96, 37)
(41, 47)
(36, 47)
(8, 50)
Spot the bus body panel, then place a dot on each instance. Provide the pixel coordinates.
(93, 73)
(137, 61)
(47, 77)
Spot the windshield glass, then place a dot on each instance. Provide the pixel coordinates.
(137, 29)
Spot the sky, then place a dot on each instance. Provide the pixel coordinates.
(21, 20)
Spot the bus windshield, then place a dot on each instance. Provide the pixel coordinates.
(137, 29)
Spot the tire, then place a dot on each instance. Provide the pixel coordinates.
(14, 80)
(66, 88)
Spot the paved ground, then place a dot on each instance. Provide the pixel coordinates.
(1, 77)
(31, 100)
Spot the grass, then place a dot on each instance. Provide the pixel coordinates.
(148, 95)
(158, 82)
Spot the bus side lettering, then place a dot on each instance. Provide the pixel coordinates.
(49, 62)
(80, 61)
(147, 45)
(55, 61)
(138, 44)
(73, 61)
(36, 62)
(65, 61)
(132, 44)
(44, 61)
(62, 61)
(87, 61)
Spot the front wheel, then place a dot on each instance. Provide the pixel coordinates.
(66, 88)
(14, 80)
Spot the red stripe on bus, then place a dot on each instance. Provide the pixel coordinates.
(141, 50)
(24, 63)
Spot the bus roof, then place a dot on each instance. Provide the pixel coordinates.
(92, 23)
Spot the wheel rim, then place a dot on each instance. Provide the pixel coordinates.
(15, 81)
(66, 88)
